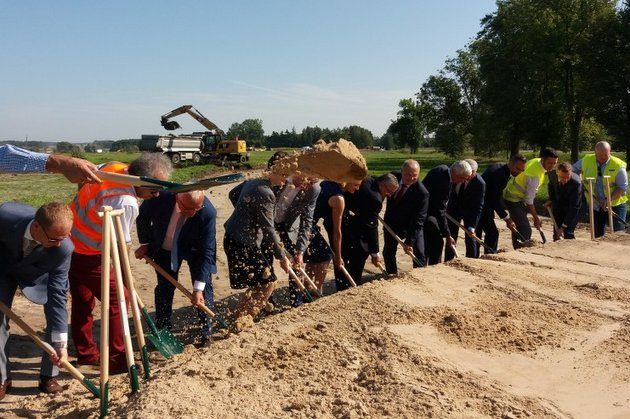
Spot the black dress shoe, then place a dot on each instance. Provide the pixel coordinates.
(206, 342)
(4, 388)
(49, 385)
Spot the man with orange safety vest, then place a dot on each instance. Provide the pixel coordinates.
(85, 268)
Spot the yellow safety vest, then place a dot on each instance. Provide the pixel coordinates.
(516, 188)
(589, 169)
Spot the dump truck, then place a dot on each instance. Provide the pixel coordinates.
(198, 147)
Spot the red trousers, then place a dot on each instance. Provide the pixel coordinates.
(85, 286)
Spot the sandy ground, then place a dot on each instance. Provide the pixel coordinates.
(541, 332)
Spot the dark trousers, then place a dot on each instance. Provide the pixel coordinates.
(85, 288)
(47, 368)
(354, 257)
(518, 214)
(601, 219)
(165, 291)
(391, 245)
(487, 230)
(559, 215)
(433, 241)
(472, 248)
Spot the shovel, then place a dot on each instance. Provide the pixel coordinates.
(553, 219)
(176, 284)
(49, 350)
(542, 235)
(300, 285)
(471, 235)
(398, 239)
(163, 340)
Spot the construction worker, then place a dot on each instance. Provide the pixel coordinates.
(85, 269)
(598, 165)
(521, 190)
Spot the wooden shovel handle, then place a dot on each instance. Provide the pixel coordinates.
(177, 285)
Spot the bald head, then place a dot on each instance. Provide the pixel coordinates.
(190, 202)
(410, 171)
(602, 152)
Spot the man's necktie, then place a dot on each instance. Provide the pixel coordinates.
(400, 193)
(174, 256)
(28, 247)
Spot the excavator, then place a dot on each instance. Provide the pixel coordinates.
(199, 146)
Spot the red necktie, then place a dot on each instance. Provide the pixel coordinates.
(400, 194)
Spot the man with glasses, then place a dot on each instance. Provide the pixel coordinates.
(598, 165)
(85, 269)
(360, 226)
(35, 252)
(173, 228)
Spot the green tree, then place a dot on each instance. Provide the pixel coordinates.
(408, 128)
(251, 130)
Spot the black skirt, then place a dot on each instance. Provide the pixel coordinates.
(248, 265)
(318, 250)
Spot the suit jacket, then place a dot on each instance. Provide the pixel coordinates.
(301, 209)
(252, 222)
(366, 204)
(438, 183)
(467, 204)
(408, 215)
(197, 239)
(496, 177)
(43, 269)
(567, 198)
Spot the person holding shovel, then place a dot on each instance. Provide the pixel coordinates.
(600, 166)
(464, 204)
(565, 200)
(251, 242)
(405, 214)
(521, 190)
(439, 182)
(173, 228)
(496, 177)
(85, 269)
(35, 252)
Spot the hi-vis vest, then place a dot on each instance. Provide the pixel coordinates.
(87, 225)
(515, 189)
(589, 169)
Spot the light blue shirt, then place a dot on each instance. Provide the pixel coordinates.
(15, 160)
(621, 181)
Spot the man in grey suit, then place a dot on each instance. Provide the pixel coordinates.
(35, 252)
(294, 219)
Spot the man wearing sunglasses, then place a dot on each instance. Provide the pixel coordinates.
(35, 252)
(173, 228)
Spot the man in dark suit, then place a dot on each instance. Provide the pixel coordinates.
(496, 177)
(360, 226)
(173, 228)
(464, 204)
(405, 214)
(35, 256)
(565, 200)
(439, 182)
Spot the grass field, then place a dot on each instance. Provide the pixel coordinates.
(37, 189)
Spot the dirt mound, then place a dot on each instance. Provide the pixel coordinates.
(339, 161)
(516, 335)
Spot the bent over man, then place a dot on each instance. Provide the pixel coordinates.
(173, 228)
(35, 255)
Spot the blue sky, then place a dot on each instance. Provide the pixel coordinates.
(88, 70)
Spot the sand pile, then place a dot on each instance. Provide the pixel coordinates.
(541, 332)
(338, 161)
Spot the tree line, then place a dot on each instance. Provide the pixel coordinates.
(539, 73)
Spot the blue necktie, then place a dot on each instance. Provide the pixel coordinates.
(174, 258)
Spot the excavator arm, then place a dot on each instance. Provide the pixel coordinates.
(190, 110)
